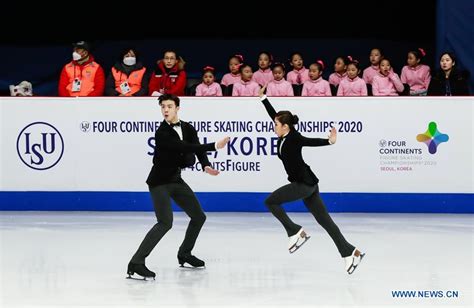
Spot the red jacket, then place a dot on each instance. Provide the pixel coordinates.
(172, 82)
(67, 78)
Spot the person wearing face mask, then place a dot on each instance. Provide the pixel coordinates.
(448, 80)
(169, 76)
(128, 77)
(82, 76)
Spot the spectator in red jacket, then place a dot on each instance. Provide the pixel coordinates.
(169, 76)
(82, 76)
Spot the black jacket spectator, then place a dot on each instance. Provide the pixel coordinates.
(455, 85)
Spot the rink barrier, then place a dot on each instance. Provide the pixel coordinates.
(393, 154)
(238, 202)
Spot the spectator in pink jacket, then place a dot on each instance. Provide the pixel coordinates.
(279, 86)
(353, 85)
(416, 74)
(340, 68)
(316, 85)
(264, 73)
(246, 86)
(299, 74)
(386, 82)
(208, 86)
(376, 56)
(233, 76)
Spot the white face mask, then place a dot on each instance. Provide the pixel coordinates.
(76, 56)
(129, 61)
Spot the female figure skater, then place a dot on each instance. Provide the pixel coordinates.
(303, 185)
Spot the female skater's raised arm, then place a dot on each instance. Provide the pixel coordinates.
(271, 111)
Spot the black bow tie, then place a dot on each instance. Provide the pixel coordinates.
(175, 124)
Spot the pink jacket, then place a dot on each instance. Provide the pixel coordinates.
(262, 77)
(335, 78)
(230, 78)
(386, 86)
(318, 87)
(352, 87)
(248, 88)
(418, 78)
(212, 90)
(369, 73)
(292, 76)
(279, 88)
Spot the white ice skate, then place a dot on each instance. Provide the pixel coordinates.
(297, 240)
(353, 260)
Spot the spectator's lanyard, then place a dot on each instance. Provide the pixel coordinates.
(75, 73)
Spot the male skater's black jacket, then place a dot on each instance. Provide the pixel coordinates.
(172, 154)
(296, 168)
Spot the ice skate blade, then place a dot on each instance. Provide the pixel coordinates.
(297, 246)
(352, 268)
(189, 266)
(141, 278)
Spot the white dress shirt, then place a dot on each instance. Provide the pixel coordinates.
(282, 141)
(178, 129)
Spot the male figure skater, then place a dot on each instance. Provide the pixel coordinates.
(176, 146)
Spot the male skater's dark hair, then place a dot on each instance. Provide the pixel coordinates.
(169, 97)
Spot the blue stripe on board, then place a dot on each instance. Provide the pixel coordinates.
(237, 202)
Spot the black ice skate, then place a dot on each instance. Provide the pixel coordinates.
(141, 270)
(192, 261)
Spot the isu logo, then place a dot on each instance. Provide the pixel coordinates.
(85, 126)
(40, 146)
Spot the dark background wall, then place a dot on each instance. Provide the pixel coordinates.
(455, 32)
(211, 34)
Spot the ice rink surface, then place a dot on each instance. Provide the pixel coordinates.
(79, 259)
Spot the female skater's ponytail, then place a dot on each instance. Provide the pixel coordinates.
(295, 119)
